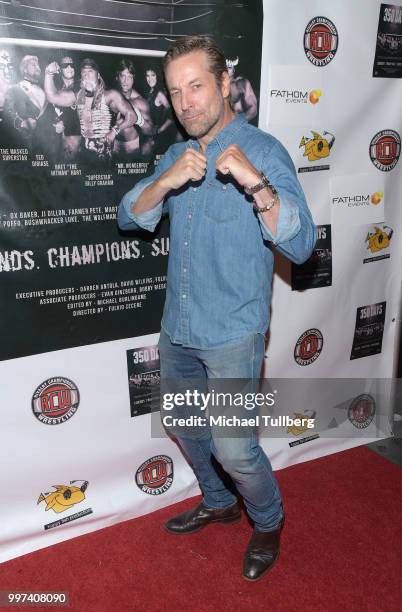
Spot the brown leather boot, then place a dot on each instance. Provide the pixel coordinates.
(262, 552)
(199, 517)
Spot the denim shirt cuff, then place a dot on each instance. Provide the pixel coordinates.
(288, 223)
(147, 220)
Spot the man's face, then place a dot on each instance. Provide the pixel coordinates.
(6, 67)
(89, 78)
(32, 69)
(197, 99)
(67, 67)
(231, 71)
(126, 80)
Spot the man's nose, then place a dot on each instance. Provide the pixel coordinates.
(185, 101)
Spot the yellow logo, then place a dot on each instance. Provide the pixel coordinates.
(297, 430)
(377, 197)
(379, 239)
(318, 146)
(64, 497)
(315, 95)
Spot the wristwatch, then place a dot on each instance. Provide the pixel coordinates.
(263, 183)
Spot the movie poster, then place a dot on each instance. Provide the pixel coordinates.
(84, 115)
(369, 330)
(388, 52)
(143, 369)
(317, 270)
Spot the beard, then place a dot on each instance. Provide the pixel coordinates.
(205, 122)
(32, 78)
(89, 86)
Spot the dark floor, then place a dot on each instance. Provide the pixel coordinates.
(390, 448)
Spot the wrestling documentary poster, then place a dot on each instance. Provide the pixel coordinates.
(369, 330)
(388, 51)
(80, 124)
(143, 369)
(317, 270)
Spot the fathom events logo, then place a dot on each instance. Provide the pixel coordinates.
(297, 96)
(358, 199)
(320, 41)
(155, 475)
(385, 149)
(308, 347)
(56, 400)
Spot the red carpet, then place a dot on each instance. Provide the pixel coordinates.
(341, 550)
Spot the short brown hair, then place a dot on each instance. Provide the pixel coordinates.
(189, 44)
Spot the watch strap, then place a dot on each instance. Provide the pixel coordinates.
(263, 183)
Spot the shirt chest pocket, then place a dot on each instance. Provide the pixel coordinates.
(223, 201)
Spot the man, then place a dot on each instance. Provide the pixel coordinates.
(242, 94)
(25, 102)
(134, 139)
(219, 275)
(6, 77)
(66, 121)
(95, 107)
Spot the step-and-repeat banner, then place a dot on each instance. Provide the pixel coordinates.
(83, 116)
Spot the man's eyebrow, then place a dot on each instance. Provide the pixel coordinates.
(189, 83)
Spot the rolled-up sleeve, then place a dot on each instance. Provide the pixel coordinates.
(296, 232)
(148, 220)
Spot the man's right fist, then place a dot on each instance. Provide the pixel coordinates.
(191, 166)
(52, 68)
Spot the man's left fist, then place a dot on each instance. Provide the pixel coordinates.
(233, 161)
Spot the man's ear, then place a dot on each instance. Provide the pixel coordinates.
(225, 85)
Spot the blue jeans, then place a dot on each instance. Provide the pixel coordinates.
(242, 457)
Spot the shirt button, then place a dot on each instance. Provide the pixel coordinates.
(190, 215)
(184, 296)
(184, 269)
(186, 243)
(224, 187)
(194, 188)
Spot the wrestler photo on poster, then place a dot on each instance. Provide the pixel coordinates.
(82, 109)
(78, 128)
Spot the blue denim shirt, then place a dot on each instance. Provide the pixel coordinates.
(220, 260)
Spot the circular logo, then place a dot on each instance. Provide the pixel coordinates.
(55, 400)
(320, 41)
(385, 149)
(155, 475)
(308, 347)
(361, 411)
